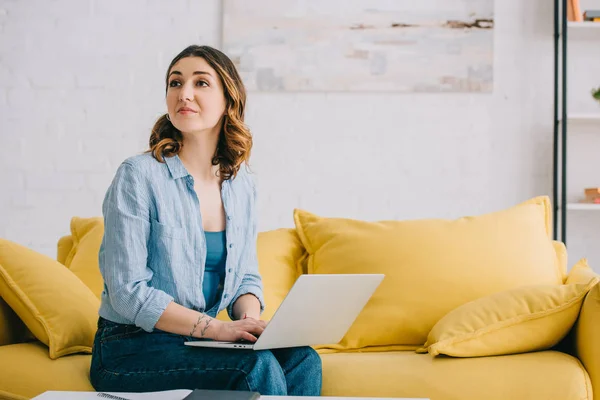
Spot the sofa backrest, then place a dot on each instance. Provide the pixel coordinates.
(63, 248)
(283, 257)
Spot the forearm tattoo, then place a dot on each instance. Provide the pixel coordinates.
(205, 327)
(207, 320)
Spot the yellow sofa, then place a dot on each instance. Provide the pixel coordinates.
(473, 308)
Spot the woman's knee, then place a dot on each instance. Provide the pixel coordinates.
(314, 365)
(311, 359)
(265, 375)
(303, 371)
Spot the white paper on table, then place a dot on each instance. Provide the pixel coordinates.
(166, 395)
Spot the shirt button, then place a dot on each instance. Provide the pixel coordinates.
(230, 245)
(229, 218)
(225, 296)
(229, 270)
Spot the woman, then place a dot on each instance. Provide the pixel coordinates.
(180, 245)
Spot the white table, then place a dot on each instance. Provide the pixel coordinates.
(180, 394)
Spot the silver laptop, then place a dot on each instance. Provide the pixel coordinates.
(319, 309)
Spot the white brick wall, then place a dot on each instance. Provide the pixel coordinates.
(81, 83)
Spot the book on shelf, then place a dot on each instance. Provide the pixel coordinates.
(594, 191)
(592, 196)
(574, 11)
(591, 15)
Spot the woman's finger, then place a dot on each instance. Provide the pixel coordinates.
(249, 337)
(256, 330)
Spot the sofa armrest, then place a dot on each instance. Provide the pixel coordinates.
(587, 337)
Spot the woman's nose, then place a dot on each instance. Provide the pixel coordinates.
(187, 93)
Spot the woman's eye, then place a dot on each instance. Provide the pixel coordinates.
(201, 83)
(173, 84)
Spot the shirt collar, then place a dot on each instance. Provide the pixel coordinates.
(178, 170)
(176, 167)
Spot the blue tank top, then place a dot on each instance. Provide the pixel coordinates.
(214, 270)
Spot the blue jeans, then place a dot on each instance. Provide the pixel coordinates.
(125, 358)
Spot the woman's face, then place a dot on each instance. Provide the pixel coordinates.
(195, 99)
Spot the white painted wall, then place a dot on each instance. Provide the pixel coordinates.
(81, 83)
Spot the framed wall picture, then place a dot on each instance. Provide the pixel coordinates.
(361, 45)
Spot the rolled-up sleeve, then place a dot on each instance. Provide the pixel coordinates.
(123, 253)
(252, 281)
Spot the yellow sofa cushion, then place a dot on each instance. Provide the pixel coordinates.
(430, 266)
(280, 253)
(26, 371)
(546, 375)
(515, 321)
(82, 259)
(54, 304)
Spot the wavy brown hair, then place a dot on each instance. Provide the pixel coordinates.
(235, 139)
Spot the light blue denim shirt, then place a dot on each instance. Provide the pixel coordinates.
(154, 248)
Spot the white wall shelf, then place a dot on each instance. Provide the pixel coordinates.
(584, 30)
(589, 117)
(583, 25)
(583, 206)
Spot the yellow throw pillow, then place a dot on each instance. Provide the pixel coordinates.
(515, 321)
(561, 255)
(280, 255)
(82, 259)
(581, 273)
(63, 248)
(430, 266)
(54, 304)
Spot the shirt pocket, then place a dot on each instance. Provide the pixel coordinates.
(174, 232)
(166, 249)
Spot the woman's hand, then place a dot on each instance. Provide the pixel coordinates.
(244, 329)
(260, 321)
